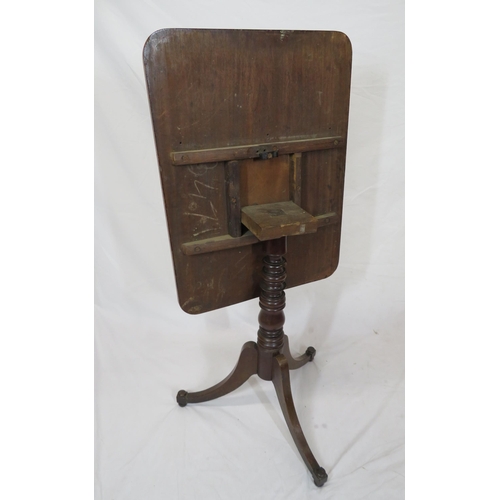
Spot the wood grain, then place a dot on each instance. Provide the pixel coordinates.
(238, 89)
(296, 178)
(265, 181)
(275, 220)
(218, 243)
(233, 198)
(255, 151)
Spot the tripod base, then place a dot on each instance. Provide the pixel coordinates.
(251, 362)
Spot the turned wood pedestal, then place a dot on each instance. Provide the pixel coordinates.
(269, 357)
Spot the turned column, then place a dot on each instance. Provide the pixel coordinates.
(270, 336)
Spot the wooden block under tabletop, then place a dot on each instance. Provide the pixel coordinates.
(274, 220)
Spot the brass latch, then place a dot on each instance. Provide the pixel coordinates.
(266, 155)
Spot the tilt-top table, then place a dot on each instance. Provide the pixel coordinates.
(251, 129)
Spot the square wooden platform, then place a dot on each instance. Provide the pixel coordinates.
(274, 220)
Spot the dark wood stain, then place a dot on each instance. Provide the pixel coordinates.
(254, 151)
(210, 90)
(256, 186)
(275, 220)
(233, 198)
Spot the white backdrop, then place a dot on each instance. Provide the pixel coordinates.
(351, 399)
